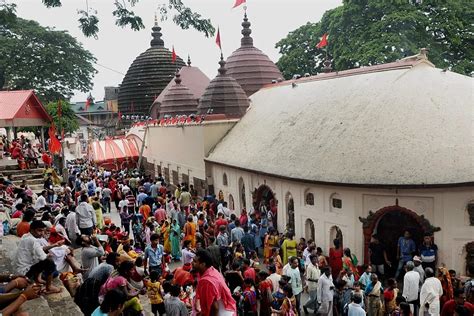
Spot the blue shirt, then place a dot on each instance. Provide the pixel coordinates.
(154, 256)
(407, 248)
(428, 253)
(141, 197)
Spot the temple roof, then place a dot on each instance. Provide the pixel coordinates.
(223, 95)
(401, 124)
(148, 75)
(250, 66)
(178, 100)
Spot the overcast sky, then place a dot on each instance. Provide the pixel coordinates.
(116, 48)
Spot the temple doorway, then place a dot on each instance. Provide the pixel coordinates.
(263, 197)
(389, 223)
(290, 213)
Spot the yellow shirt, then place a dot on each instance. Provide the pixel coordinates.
(154, 292)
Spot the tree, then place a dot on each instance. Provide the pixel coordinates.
(51, 62)
(370, 32)
(182, 15)
(67, 121)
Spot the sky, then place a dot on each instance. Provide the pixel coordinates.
(116, 47)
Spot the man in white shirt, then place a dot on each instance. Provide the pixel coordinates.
(355, 309)
(274, 277)
(296, 284)
(430, 293)
(41, 200)
(411, 286)
(325, 292)
(71, 226)
(31, 259)
(312, 274)
(85, 216)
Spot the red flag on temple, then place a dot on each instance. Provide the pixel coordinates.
(173, 56)
(218, 38)
(88, 103)
(323, 42)
(238, 2)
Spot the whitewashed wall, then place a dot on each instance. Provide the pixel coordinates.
(445, 208)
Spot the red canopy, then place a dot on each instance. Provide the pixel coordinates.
(114, 154)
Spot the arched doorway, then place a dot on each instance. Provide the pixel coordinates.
(231, 202)
(242, 193)
(290, 213)
(265, 195)
(309, 230)
(335, 233)
(389, 223)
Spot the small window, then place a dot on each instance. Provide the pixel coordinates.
(309, 199)
(224, 179)
(336, 203)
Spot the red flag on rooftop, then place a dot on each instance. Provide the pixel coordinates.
(173, 56)
(88, 103)
(238, 2)
(54, 144)
(323, 42)
(218, 38)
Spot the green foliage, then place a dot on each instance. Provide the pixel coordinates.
(68, 120)
(126, 17)
(51, 62)
(370, 32)
(183, 16)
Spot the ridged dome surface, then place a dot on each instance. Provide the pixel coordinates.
(148, 75)
(223, 96)
(178, 100)
(249, 65)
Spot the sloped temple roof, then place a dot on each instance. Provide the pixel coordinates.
(22, 108)
(401, 124)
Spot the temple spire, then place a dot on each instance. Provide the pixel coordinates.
(177, 78)
(222, 70)
(156, 41)
(246, 40)
(189, 61)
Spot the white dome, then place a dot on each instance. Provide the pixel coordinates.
(403, 124)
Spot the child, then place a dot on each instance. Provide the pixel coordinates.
(154, 291)
(356, 290)
(173, 305)
(249, 298)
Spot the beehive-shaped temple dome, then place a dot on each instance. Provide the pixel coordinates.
(249, 65)
(223, 96)
(147, 76)
(178, 100)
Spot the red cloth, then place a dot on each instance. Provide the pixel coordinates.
(173, 56)
(46, 159)
(238, 2)
(218, 38)
(220, 222)
(17, 214)
(250, 274)
(22, 228)
(160, 215)
(335, 261)
(212, 287)
(182, 277)
(449, 306)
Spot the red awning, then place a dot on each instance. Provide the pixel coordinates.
(114, 153)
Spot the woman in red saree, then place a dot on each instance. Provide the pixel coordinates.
(335, 258)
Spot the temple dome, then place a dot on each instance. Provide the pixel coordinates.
(147, 76)
(223, 95)
(250, 66)
(178, 100)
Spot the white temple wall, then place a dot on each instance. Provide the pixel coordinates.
(444, 208)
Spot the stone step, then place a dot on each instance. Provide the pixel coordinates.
(29, 175)
(60, 304)
(30, 182)
(21, 172)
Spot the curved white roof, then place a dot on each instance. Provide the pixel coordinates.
(404, 124)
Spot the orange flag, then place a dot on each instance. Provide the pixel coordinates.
(323, 42)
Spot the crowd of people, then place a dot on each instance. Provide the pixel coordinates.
(190, 255)
(26, 152)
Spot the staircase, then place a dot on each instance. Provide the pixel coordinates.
(33, 177)
(60, 304)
